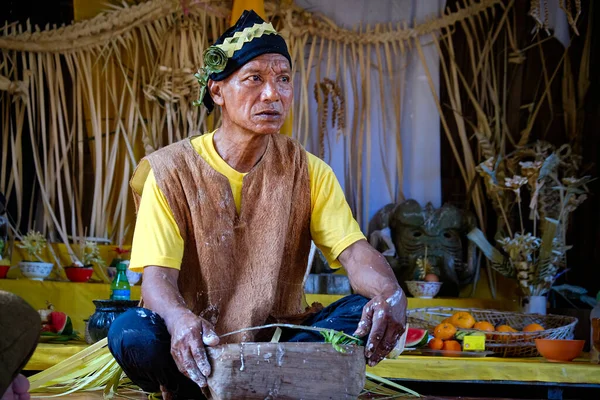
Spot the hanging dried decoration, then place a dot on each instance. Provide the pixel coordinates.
(571, 8)
(329, 91)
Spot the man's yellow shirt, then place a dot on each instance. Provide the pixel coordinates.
(157, 241)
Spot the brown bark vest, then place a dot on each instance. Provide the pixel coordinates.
(239, 270)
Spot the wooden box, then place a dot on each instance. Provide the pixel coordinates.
(286, 371)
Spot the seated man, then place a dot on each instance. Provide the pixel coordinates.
(20, 326)
(224, 226)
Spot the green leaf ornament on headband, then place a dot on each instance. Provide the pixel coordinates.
(215, 61)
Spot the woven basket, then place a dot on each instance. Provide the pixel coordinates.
(504, 344)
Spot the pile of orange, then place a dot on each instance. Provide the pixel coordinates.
(445, 331)
(443, 338)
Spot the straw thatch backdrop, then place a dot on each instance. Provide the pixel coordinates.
(88, 100)
(92, 98)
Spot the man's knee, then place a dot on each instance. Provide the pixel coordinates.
(139, 338)
(20, 325)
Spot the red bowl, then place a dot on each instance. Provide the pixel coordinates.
(556, 350)
(79, 274)
(4, 270)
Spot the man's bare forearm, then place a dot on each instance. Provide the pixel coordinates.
(368, 271)
(161, 294)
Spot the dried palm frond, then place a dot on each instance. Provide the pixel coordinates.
(384, 387)
(88, 370)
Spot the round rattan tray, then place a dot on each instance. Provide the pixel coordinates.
(504, 344)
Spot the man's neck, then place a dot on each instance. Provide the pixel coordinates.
(240, 149)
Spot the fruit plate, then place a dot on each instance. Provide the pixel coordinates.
(446, 353)
(502, 343)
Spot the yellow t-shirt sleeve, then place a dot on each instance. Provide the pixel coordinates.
(156, 239)
(332, 226)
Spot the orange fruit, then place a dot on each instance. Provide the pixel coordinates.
(444, 331)
(533, 328)
(436, 344)
(431, 278)
(506, 338)
(446, 321)
(484, 326)
(505, 328)
(452, 345)
(462, 320)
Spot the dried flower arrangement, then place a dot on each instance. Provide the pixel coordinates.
(33, 243)
(88, 257)
(534, 248)
(89, 254)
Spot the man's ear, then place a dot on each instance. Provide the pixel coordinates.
(214, 88)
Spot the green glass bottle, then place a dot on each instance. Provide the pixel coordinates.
(120, 288)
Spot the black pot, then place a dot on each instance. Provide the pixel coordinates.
(106, 312)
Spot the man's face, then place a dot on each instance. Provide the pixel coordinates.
(258, 96)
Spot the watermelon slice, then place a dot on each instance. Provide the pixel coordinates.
(61, 323)
(416, 338)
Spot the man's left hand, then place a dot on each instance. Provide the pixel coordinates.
(385, 315)
(384, 319)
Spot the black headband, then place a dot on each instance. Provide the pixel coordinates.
(249, 38)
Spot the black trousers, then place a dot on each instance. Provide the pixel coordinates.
(141, 344)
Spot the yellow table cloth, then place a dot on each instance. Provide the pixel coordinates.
(74, 299)
(47, 355)
(427, 368)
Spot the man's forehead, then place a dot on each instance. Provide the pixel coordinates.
(265, 61)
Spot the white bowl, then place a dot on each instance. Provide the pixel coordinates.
(423, 290)
(35, 270)
(132, 277)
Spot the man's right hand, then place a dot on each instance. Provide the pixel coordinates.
(189, 335)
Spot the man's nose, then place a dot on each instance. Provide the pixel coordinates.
(270, 92)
